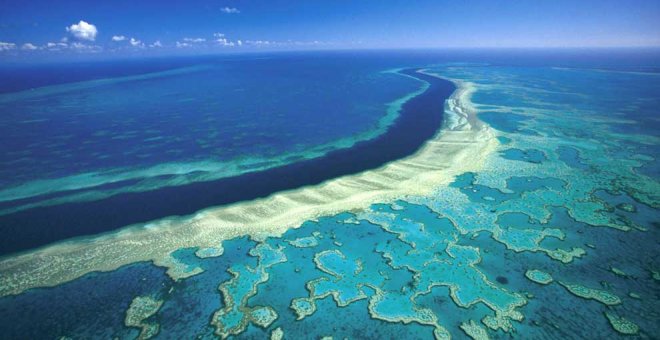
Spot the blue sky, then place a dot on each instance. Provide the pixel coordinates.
(121, 27)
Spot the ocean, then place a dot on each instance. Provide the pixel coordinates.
(396, 194)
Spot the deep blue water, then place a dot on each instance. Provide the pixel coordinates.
(420, 119)
(568, 130)
(220, 111)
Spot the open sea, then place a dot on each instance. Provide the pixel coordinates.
(377, 194)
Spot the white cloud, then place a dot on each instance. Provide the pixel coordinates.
(83, 31)
(5, 46)
(225, 42)
(118, 38)
(85, 48)
(79, 46)
(135, 43)
(286, 44)
(156, 44)
(182, 45)
(55, 46)
(258, 42)
(230, 10)
(194, 40)
(29, 47)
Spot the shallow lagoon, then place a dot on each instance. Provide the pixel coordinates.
(570, 193)
(207, 119)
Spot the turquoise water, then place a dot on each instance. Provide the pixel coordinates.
(202, 121)
(572, 190)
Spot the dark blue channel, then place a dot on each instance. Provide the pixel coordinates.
(419, 121)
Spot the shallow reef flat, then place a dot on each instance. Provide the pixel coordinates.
(542, 226)
(141, 309)
(419, 120)
(127, 150)
(457, 148)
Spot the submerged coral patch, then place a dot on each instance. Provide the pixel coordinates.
(538, 276)
(622, 325)
(425, 247)
(599, 295)
(138, 313)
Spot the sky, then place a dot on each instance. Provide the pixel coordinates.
(67, 28)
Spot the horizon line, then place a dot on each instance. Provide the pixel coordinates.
(90, 57)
